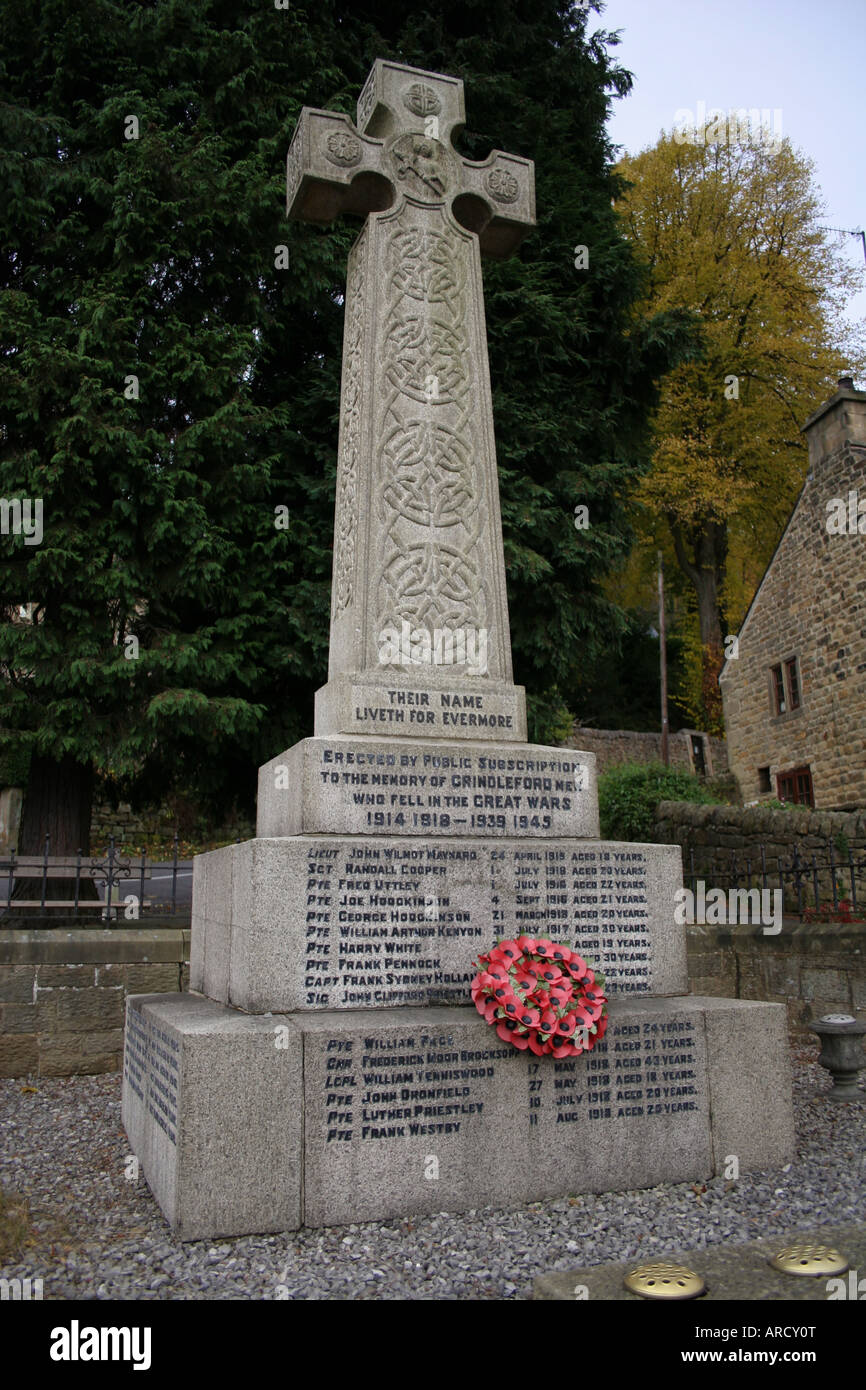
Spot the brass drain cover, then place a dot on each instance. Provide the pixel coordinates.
(806, 1258)
(661, 1279)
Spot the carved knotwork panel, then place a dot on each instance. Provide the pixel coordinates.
(348, 464)
(429, 568)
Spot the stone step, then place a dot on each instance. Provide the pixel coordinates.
(336, 922)
(254, 1123)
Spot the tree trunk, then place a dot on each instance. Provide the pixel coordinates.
(705, 568)
(57, 803)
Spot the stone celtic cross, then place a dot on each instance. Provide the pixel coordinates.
(418, 538)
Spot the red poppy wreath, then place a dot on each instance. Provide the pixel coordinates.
(541, 995)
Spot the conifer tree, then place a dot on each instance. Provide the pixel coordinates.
(170, 372)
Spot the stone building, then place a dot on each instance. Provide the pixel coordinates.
(795, 695)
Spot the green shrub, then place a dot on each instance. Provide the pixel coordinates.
(14, 761)
(628, 797)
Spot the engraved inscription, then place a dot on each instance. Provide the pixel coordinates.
(647, 1069)
(424, 1083)
(434, 711)
(390, 925)
(409, 793)
(151, 1068)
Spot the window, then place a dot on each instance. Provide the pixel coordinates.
(796, 787)
(764, 783)
(793, 683)
(785, 686)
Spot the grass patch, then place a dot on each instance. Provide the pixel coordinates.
(15, 1225)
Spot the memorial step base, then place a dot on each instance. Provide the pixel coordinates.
(254, 1123)
(355, 922)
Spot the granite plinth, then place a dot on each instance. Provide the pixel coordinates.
(431, 706)
(206, 1096)
(336, 922)
(420, 1110)
(354, 786)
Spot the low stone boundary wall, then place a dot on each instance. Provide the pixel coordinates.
(814, 970)
(714, 832)
(724, 845)
(63, 993)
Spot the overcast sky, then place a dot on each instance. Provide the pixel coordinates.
(802, 58)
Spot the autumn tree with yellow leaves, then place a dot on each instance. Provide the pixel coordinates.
(731, 230)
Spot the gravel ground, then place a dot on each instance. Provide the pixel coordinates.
(96, 1235)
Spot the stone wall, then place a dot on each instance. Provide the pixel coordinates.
(133, 827)
(613, 747)
(811, 605)
(63, 993)
(813, 970)
(714, 838)
(714, 832)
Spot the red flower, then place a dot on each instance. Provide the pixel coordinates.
(511, 1035)
(549, 974)
(525, 978)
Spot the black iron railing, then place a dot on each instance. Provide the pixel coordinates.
(831, 882)
(111, 873)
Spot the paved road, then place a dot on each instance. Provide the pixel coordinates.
(158, 887)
